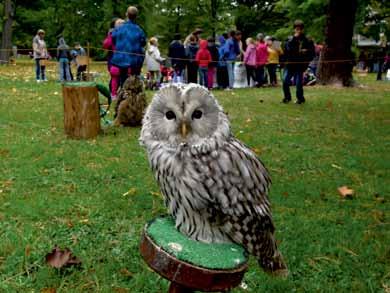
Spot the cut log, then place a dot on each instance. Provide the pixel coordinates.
(81, 110)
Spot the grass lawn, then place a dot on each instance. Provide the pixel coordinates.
(95, 196)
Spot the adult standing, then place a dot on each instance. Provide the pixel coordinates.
(129, 40)
(213, 49)
(63, 57)
(261, 59)
(177, 55)
(298, 51)
(192, 65)
(250, 60)
(222, 74)
(231, 51)
(381, 55)
(39, 54)
(196, 34)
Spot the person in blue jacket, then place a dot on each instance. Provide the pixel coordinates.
(230, 52)
(129, 40)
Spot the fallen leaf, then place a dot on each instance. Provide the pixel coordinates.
(132, 191)
(345, 192)
(379, 216)
(59, 258)
(27, 251)
(249, 120)
(14, 90)
(126, 273)
(48, 290)
(158, 194)
(55, 93)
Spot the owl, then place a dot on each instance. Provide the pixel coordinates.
(131, 103)
(213, 185)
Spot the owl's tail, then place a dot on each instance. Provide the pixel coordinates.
(258, 239)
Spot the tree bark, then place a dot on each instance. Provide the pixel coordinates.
(81, 110)
(337, 60)
(6, 39)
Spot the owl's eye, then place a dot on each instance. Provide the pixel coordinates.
(197, 114)
(170, 115)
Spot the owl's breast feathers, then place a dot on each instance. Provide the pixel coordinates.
(214, 180)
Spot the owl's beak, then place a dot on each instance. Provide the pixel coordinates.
(184, 129)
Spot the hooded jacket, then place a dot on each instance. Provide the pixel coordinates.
(261, 54)
(203, 56)
(153, 58)
(62, 50)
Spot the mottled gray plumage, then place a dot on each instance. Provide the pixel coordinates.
(131, 103)
(214, 186)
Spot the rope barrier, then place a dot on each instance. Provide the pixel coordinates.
(355, 60)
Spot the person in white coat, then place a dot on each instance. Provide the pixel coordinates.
(153, 62)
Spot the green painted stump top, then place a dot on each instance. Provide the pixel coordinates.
(215, 256)
(80, 84)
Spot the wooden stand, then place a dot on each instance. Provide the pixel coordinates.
(185, 277)
(81, 110)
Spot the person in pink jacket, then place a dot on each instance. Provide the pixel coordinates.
(114, 71)
(261, 59)
(250, 60)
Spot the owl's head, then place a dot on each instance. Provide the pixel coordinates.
(184, 114)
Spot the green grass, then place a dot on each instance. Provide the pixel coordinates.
(71, 193)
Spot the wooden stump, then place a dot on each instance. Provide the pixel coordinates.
(188, 277)
(81, 110)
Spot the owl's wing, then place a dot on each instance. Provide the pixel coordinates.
(238, 182)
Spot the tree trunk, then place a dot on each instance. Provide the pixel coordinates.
(6, 39)
(81, 110)
(337, 60)
(214, 20)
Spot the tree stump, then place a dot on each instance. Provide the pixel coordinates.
(81, 110)
(191, 265)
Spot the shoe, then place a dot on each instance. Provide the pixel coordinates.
(299, 102)
(114, 98)
(38, 80)
(286, 101)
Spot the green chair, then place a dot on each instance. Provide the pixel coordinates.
(191, 265)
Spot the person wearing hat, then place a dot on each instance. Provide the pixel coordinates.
(40, 53)
(298, 52)
(129, 40)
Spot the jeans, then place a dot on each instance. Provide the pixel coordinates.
(222, 77)
(230, 70)
(178, 75)
(64, 69)
(203, 76)
(260, 79)
(250, 73)
(272, 73)
(298, 78)
(39, 70)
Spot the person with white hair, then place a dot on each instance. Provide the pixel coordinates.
(153, 61)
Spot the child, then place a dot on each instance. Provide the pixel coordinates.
(81, 66)
(203, 58)
(213, 49)
(273, 60)
(153, 60)
(250, 60)
(63, 56)
(108, 44)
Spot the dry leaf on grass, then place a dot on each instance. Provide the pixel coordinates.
(59, 258)
(132, 191)
(345, 192)
(126, 273)
(48, 290)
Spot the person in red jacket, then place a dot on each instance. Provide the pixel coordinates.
(203, 58)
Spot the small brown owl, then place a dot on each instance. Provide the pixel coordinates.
(131, 104)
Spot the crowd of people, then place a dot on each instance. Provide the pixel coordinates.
(213, 63)
(65, 56)
(198, 60)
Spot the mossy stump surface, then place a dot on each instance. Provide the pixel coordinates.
(188, 264)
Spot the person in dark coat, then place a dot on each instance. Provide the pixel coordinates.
(213, 49)
(192, 65)
(177, 56)
(298, 52)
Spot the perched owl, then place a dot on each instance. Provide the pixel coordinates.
(214, 186)
(131, 102)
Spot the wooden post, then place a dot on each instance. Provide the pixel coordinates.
(81, 110)
(88, 59)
